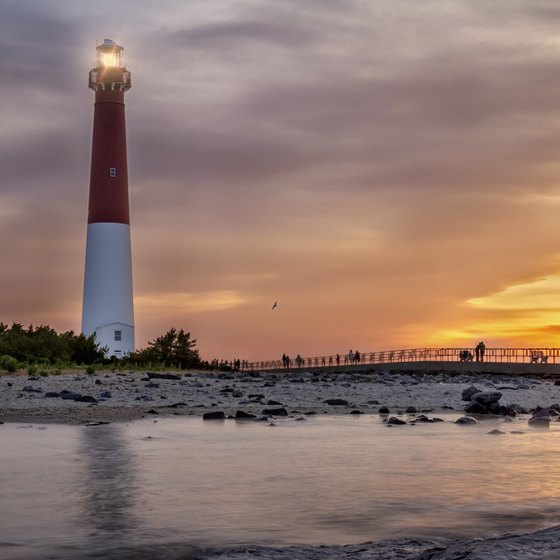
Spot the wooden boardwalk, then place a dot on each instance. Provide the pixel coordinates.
(510, 361)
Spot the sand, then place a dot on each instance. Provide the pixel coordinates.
(128, 396)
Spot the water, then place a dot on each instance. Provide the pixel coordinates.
(327, 480)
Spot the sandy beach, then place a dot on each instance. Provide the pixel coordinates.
(109, 397)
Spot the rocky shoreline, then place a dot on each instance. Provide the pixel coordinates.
(109, 397)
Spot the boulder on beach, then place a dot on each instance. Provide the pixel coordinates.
(69, 395)
(217, 415)
(467, 394)
(486, 402)
(242, 415)
(86, 398)
(486, 397)
(543, 421)
(466, 421)
(384, 410)
(172, 376)
(394, 421)
(336, 402)
(274, 412)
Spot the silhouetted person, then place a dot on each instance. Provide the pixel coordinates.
(479, 351)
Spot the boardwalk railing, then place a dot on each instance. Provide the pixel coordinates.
(387, 357)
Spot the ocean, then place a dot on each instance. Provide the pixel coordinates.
(175, 488)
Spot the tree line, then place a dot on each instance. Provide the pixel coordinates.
(23, 346)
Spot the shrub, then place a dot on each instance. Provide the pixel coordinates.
(32, 370)
(44, 373)
(90, 370)
(9, 364)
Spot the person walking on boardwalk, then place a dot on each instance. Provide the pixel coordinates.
(482, 349)
(477, 351)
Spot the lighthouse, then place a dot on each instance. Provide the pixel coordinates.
(107, 305)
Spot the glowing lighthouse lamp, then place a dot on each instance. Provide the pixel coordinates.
(107, 305)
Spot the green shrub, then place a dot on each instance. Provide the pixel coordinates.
(57, 372)
(32, 370)
(9, 364)
(90, 370)
(44, 373)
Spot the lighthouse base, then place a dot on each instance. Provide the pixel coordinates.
(108, 309)
(117, 339)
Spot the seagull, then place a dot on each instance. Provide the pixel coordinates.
(275, 305)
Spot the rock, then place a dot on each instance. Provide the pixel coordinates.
(274, 412)
(514, 409)
(394, 421)
(411, 410)
(496, 432)
(467, 394)
(543, 421)
(30, 389)
(271, 402)
(217, 415)
(476, 408)
(466, 421)
(487, 397)
(172, 376)
(152, 385)
(177, 404)
(105, 395)
(152, 411)
(356, 412)
(557, 382)
(336, 402)
(98, 382)
(86, 398)
(52, 394)
(69, 395)
(242, 415)
(384, 410)
(96, 423)
(542, 412)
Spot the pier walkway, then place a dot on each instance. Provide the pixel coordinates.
(532, 361)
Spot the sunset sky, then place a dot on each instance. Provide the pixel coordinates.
(388, 171)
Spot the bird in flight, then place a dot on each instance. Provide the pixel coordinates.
(275, 305)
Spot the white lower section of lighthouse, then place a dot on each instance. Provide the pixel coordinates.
(108, 308)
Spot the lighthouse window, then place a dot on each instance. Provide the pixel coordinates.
(112, 172)
(118, 335)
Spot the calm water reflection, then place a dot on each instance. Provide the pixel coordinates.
(107, 480)
(325, 480)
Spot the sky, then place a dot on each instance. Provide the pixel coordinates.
(387, 171)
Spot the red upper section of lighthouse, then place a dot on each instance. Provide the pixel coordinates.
(108, 193)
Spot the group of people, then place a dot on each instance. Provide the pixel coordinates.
(233, 364)
(287, 362)
(467, 356)
(354, 357)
